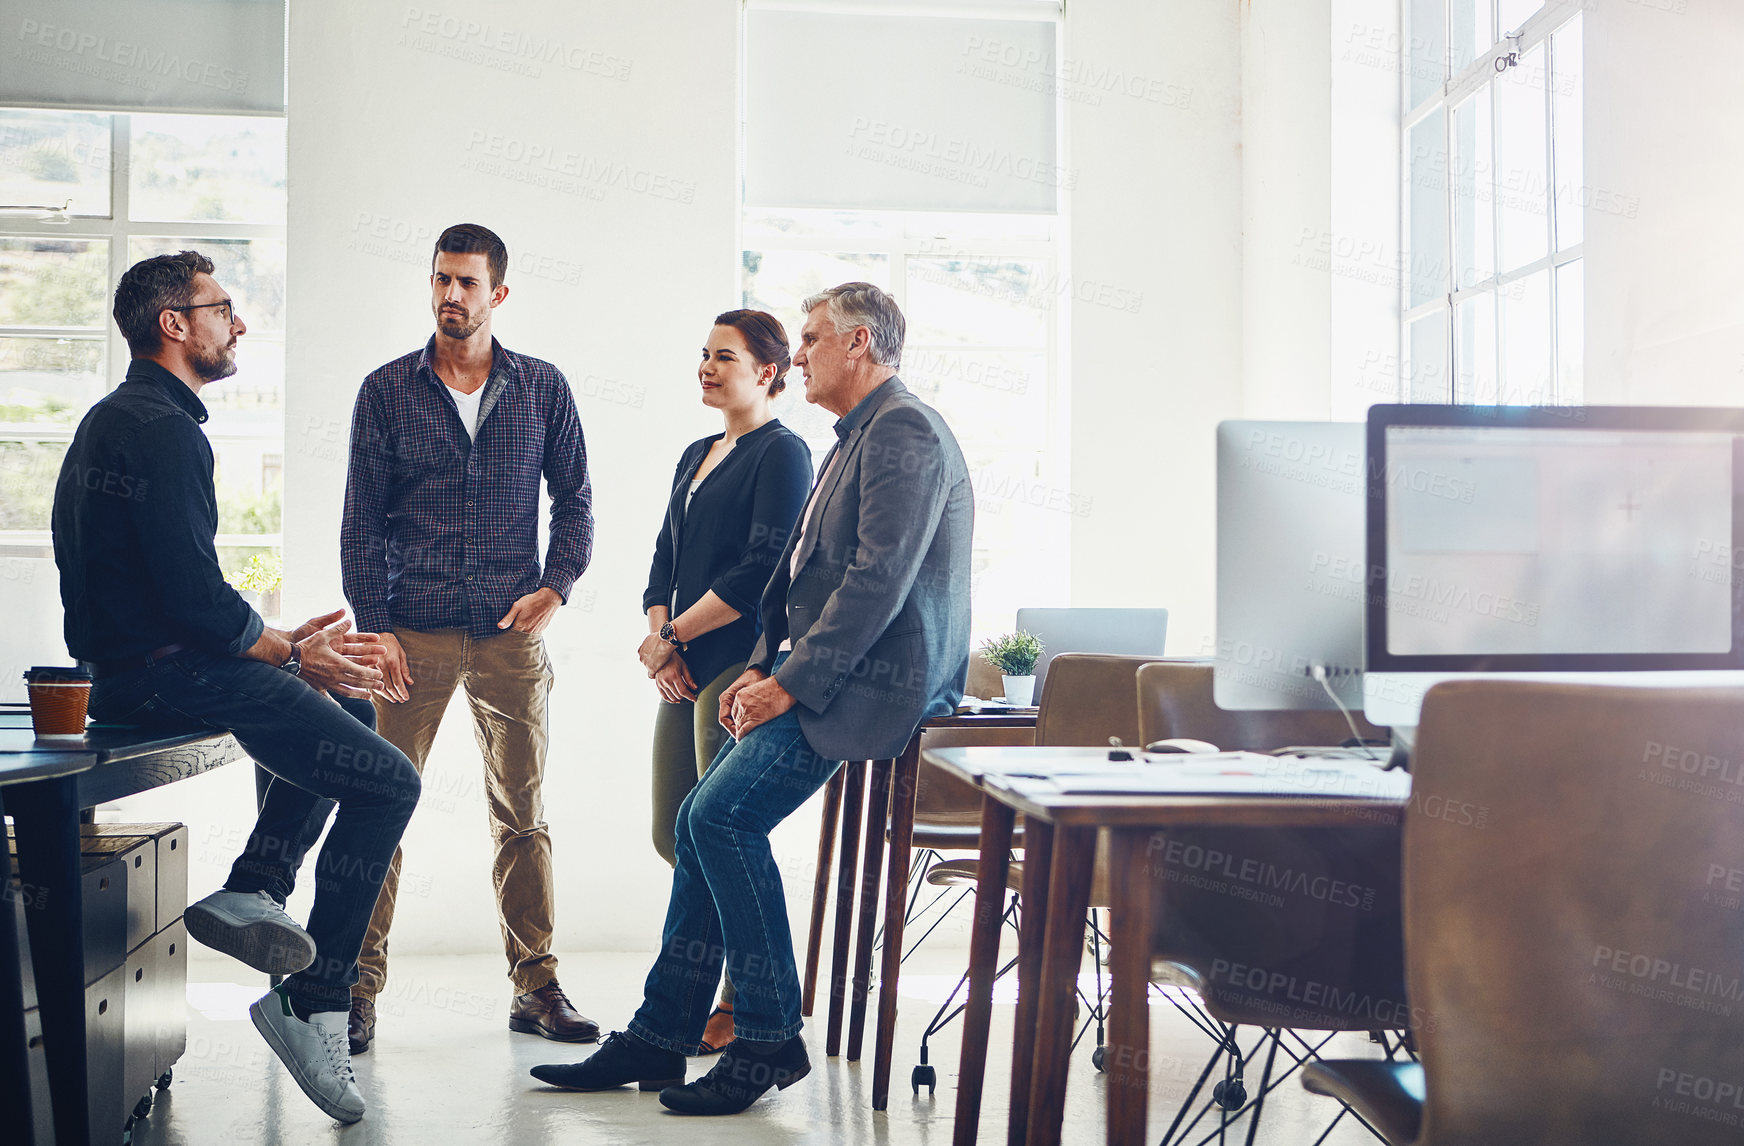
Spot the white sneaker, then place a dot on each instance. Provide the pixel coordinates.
(252, 927)
(315, 1052)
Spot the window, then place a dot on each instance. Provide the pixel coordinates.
(940, 183)
(133, 186)
(983, 297)
(1493, 298)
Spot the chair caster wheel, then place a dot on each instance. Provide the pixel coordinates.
(143, 1108)
(925, 1076)
(1229, 1094)
(168, 1076)
(127, 1133)
(1099, 1058)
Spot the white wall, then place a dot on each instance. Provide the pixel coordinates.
(1157, 211)
(1664, 234)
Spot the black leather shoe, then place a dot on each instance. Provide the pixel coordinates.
(739, 1079)
(621, 1059)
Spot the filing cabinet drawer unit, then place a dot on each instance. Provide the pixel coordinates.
(105, 1062)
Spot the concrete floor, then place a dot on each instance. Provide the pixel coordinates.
(445, 1068)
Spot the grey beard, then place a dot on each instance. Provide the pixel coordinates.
(218, 365)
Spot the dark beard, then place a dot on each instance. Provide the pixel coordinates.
(213, 366)
(457, 328)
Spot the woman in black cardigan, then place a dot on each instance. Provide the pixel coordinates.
(735, 497)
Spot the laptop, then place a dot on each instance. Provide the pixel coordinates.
(1132, 632)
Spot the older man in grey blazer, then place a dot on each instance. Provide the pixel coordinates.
(865, 634)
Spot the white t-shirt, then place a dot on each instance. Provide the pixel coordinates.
(468, 404)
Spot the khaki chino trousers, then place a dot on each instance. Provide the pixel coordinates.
(507, 678)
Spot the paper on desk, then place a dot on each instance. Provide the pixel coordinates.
(1231, 774)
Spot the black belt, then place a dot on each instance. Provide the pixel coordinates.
(132, 664)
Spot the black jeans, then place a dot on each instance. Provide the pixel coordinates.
(315, 750)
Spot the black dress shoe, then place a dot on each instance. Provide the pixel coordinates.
(621, 1059)
(739, 1079)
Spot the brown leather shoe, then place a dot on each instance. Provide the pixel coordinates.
(549, 1013)
(360, 1025)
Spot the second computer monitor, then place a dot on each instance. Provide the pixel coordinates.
(1290, 568)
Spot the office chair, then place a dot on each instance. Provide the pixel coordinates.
(1257, 906)
(1569, 853)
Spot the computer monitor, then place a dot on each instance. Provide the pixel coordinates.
(1290, 573)
(1594, 543)
(1136, 632)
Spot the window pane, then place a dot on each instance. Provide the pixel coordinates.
(1522, 181)
(1510, 14)
(1426, 48)
(49, 381)
(778, 281)
(49, 157)
(1475, 361)
(1571, 327)
(1525, 333)
(982, 301)
(208, 168)
(1474, 199)
(1428, 372)
(53, 282)
(1568, 136)
(993, 398)
(1429, 271)
(250, 401)
(1472, 32)
(251, 270)
(29, 472)
(248, 503)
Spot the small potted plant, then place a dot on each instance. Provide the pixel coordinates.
(1015, 656)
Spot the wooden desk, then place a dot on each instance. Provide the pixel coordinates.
(865, 809)
(66, 777)
(1060, 849)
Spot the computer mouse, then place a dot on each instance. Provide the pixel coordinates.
(1180, 744)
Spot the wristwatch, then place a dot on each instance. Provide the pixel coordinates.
(670, 637)
(294, 665)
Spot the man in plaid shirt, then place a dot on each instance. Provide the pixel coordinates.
(440, 553)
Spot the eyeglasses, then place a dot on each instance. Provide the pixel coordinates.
(228, 314)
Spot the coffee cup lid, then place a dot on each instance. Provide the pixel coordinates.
(47, 674)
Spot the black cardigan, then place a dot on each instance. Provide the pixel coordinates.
(731, 538)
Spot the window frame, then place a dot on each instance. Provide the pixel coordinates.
(119, 229)
(1454, 90)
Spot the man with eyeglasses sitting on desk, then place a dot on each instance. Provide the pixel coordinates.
(173, 646)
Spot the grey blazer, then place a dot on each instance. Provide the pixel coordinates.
(880, 604)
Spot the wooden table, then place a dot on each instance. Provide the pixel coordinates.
(863, 809)
(1060, 849)
(71, 775)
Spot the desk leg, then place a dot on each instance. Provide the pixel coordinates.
(877, 809)
(1063, 953)
(904, 788)
(14, 1056)
(853, 803)
(46, 813)
(820, 889)
(1129, 1028)
(1038, 866)
(996, 824)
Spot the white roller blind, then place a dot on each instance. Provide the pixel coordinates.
(144, 55)
(900, 113)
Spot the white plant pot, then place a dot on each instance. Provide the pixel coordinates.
(1019, 690)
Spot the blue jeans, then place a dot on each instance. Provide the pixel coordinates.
(315, 750)
(727, 903)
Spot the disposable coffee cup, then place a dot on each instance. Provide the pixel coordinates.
(59, 698)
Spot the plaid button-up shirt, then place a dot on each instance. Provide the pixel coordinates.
(441, 530)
